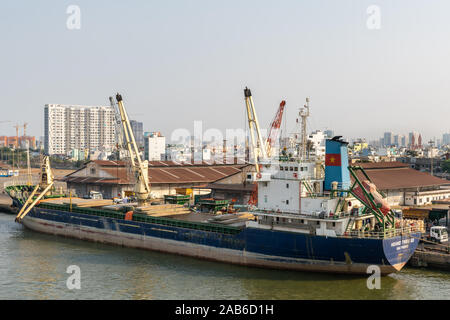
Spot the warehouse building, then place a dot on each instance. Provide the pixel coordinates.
(112, 178)
(405, 186)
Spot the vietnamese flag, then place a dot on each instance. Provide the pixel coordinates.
(333, 159)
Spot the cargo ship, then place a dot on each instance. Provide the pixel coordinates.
(308, 217)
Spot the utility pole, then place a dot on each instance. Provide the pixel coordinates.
(29, 175)
(17, 134)
(431, 142)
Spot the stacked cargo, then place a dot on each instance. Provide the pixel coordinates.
(177, 199)
(163, 210)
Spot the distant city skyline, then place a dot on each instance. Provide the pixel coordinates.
(178, 62)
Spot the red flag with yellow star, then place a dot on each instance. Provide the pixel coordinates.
(333, 159)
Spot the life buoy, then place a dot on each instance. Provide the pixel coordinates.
(259, 175)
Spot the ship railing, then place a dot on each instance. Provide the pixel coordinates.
(317, 215)
(390, 233)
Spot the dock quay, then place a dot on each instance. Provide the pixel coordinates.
(431, 255)
(5, 204)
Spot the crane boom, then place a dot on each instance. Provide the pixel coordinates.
(118, 127)
(274, 128)
(140, 168)
(258, 146)
(45, 185)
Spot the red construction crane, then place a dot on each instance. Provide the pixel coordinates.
(274, 128)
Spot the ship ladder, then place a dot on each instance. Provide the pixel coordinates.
(309, 189)
(349, 226)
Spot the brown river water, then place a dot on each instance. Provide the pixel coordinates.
(34, 265)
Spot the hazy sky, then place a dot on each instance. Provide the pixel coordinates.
(179, 61)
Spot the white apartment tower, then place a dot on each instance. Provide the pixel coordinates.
(69, 127)
(155, 146)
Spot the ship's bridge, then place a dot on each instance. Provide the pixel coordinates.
(289, 170)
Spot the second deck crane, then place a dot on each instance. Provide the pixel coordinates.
(274, 128)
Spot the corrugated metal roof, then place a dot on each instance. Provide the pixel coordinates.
(168, 173)
(391, 177)
(382, 165)
(110, 163)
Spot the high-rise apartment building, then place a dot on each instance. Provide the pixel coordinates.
(446, 138)
(396, 140)
(403, 140)
(69, 127)
(329, 134)
(387, 138)
(138, 131)
(155, 146)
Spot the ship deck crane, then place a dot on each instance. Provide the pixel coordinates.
(262, 150)
(140, 168)
(258, 146)
(274, 128)
(45, 185)
(118, 128)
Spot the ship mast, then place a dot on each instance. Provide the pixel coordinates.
(304, 114)
(140, 168)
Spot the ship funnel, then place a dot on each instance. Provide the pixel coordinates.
(336, 164)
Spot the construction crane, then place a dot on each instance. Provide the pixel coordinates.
(140, 168)
(274, 128)
(45, 184)
(258, 146)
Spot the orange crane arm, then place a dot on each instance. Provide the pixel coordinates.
(274, 128)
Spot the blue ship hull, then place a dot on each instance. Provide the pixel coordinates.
(250, 246)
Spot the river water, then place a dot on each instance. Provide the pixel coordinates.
(34, 265)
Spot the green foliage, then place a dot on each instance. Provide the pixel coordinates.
(446, 166)
(412, 153)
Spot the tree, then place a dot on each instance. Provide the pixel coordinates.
(412, 153)
(446, 166)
